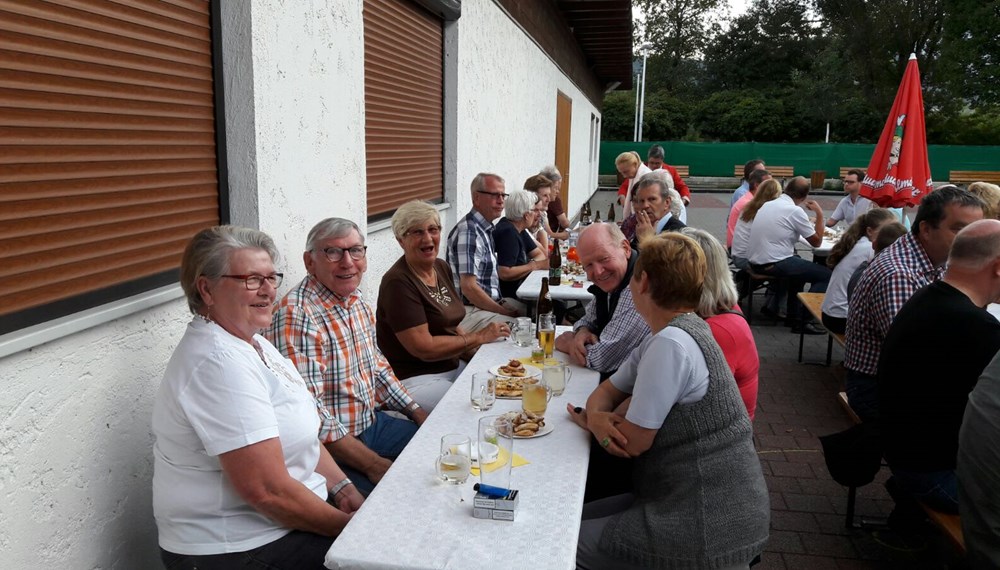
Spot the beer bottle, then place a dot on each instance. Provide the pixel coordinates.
(555, 264)
(544, 304)
(611, 213)
(585, 213)
(597, 219)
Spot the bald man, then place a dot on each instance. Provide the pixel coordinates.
(936, 349)
(611, 327)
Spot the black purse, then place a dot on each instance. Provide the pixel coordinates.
(854, 455)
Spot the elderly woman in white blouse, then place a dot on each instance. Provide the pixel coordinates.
(240, 478)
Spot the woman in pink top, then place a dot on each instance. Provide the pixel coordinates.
(719, 307)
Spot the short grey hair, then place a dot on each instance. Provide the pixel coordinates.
(662, 181)
(479, 182)
(975, 245)
(718, 294)
(411, 214)
(551, 172)
(331, 228)
(519, 203)
(209, 253)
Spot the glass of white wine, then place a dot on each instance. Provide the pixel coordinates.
(455, 459)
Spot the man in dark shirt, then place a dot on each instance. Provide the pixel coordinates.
(922, 400)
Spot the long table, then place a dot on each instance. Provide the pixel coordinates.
(532, 285)
(414, 520)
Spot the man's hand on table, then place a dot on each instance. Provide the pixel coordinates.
(575, 344)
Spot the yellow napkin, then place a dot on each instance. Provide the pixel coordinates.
(501, 460)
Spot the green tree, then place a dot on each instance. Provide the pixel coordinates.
(618, 116)
(678, 30)
(970, 52)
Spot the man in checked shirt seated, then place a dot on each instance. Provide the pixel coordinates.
(611, 327)
(327, 329)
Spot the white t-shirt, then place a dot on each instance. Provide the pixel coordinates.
(217, 395)
(776, 230)
(667, 368)
(847, 210)
(835, 302)
(741, 239)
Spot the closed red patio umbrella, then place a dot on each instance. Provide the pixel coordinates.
(899, 173)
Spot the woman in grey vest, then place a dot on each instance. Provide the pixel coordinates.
(699, 495)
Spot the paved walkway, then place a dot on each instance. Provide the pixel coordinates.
(796, 404)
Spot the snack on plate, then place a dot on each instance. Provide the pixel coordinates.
(514, 369)
(526, 424)
(573, 268)
(512, 387)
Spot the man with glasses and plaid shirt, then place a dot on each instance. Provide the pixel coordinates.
(473, 260)
(327, 329)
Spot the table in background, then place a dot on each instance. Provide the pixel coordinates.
(528, 291)
(414, 520)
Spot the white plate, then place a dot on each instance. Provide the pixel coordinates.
(529, 372)
(546, 430)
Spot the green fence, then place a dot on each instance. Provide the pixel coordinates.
(718, 159)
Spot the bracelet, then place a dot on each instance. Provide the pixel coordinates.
(412, 407)
(340, 486)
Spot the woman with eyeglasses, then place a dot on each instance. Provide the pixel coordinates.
(239, 474)
(517, 252)
(419, 311)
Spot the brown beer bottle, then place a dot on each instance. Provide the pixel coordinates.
(555, 265)
(544, 304)
(597, 219)
(611, 213)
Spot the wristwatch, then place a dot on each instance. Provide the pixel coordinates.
(340, 486)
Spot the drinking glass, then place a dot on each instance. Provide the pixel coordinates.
(498, 430)
(522, 333)
(535, 397)
(547, 333)
(484, 391)
(557, 377)
(455, 459)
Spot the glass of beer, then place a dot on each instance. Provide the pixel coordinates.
(547, 333)
(535, 397)
(455, 459)
(556, 377)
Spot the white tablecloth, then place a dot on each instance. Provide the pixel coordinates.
(413, 520)
(533, 284)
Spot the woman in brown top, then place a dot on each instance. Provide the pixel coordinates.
(419, 310)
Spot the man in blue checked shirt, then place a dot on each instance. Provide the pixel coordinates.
(472, 257)
(611, 327)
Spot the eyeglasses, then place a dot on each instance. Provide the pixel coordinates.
(335, 254)
(255, 281)
(432, 231)
(494, 195)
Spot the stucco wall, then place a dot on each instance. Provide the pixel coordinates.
(75, 442)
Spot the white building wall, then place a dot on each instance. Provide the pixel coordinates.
(75, 442)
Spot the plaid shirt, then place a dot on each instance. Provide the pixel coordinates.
(885, 286)
(471, 252)
(331, 340)
(623, 332)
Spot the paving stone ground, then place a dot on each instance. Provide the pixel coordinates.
(796, 404)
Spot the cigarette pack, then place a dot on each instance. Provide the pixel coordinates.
(484, 501)
(492, 514)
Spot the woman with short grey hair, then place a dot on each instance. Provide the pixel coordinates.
(238, 471)
(419, 310)
(517, 252)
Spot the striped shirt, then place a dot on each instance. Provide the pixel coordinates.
(331, 341)
(888, 282)
(471, 252)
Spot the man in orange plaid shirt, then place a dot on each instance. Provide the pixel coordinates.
(327, 329)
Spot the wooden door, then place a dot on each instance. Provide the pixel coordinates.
(564, 115)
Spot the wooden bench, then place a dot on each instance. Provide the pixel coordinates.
(968, 176)
(842, 399)
(682, 170)
(844, 169)
(776, 171)
(950, 525)
(813, 302)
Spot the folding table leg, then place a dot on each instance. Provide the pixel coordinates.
(829, 349)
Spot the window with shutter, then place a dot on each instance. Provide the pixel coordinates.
(404, 73)
(109, 162)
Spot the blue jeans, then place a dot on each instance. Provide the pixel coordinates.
(862, 394)
(799, 272)
(387, 436)
(937, 489)
(297, 549)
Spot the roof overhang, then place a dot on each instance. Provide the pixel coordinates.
(603, 29)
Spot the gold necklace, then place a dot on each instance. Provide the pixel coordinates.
(437, 292)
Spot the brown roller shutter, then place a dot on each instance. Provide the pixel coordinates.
(404, 69)
(108, 162)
